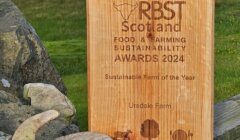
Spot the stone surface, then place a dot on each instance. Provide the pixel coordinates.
(85, 136)
(28, 129)
(7, 97)
(45, 97)
(227, 119)
(23, 57)
(4, 136)
(55, 129)
(13, 112)
(12, 115)
(70, 130)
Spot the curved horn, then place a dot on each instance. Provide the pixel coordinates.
(28, 129)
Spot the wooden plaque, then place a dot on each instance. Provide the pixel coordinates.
(150, 69)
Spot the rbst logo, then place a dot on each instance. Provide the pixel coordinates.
(154, 10)
(145, 11)
(125, 9)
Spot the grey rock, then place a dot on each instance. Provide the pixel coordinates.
(4, 136)
(55, 129)
(28, 129)
(85, 136)
(13, 86)
(12, 115)
(47, 97)
(23, 57)
(227, 119)
(23, 60)
(69, 130)
(7, 98)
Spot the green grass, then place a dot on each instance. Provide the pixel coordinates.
(55, 19)
(61, 26)
(227, 43)
(69, 57)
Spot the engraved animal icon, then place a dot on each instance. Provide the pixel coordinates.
(125, 9)
(123, 135)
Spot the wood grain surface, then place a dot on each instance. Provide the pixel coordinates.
(150, 68)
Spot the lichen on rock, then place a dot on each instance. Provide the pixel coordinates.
(23, 57)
